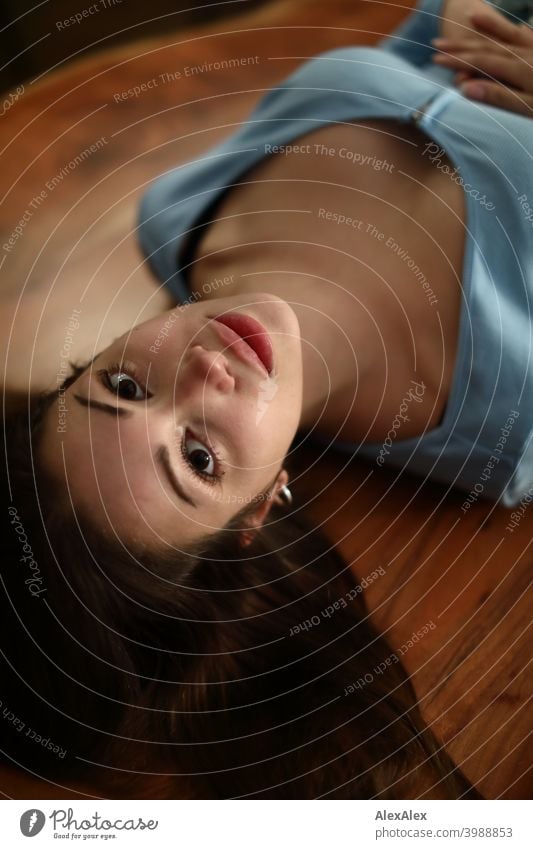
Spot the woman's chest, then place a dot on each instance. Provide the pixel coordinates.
(360, 215)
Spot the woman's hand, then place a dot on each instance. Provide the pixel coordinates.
(456, 17)
(494, 61)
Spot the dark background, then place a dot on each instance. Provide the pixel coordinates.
(31, 43)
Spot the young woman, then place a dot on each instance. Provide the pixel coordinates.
(166, 612)
(395, 215)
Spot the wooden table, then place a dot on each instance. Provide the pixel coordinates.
(464, 572)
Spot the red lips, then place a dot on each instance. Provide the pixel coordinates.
(253, 333)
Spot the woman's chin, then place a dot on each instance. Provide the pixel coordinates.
(276, 313)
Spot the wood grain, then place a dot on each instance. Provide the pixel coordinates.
(463, 571)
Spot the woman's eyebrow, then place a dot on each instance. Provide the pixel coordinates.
(110, 409)
(163, 455)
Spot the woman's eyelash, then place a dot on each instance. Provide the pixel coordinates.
(219, 472)
(127, 369)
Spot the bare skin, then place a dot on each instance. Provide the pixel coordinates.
(348, 344)
(165, 444)
(367, 326)
(494, 62)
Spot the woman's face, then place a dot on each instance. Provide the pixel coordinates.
(172, 431)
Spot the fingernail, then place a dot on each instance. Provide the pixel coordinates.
(473, 90)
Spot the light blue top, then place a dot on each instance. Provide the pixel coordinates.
(483, 443)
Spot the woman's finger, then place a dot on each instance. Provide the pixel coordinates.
(470, 45)
(495, 94)
(455, 45)
(502, 29)
(507, 68)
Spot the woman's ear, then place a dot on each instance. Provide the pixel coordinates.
(256, 519)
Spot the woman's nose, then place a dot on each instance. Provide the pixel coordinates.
(206, 368)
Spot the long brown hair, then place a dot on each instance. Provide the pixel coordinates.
(208, 674)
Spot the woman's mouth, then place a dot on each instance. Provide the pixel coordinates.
(247, 337)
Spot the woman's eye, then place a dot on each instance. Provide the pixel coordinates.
(125, 386)
(199, 457)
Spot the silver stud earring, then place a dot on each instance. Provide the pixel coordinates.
(285, 494)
